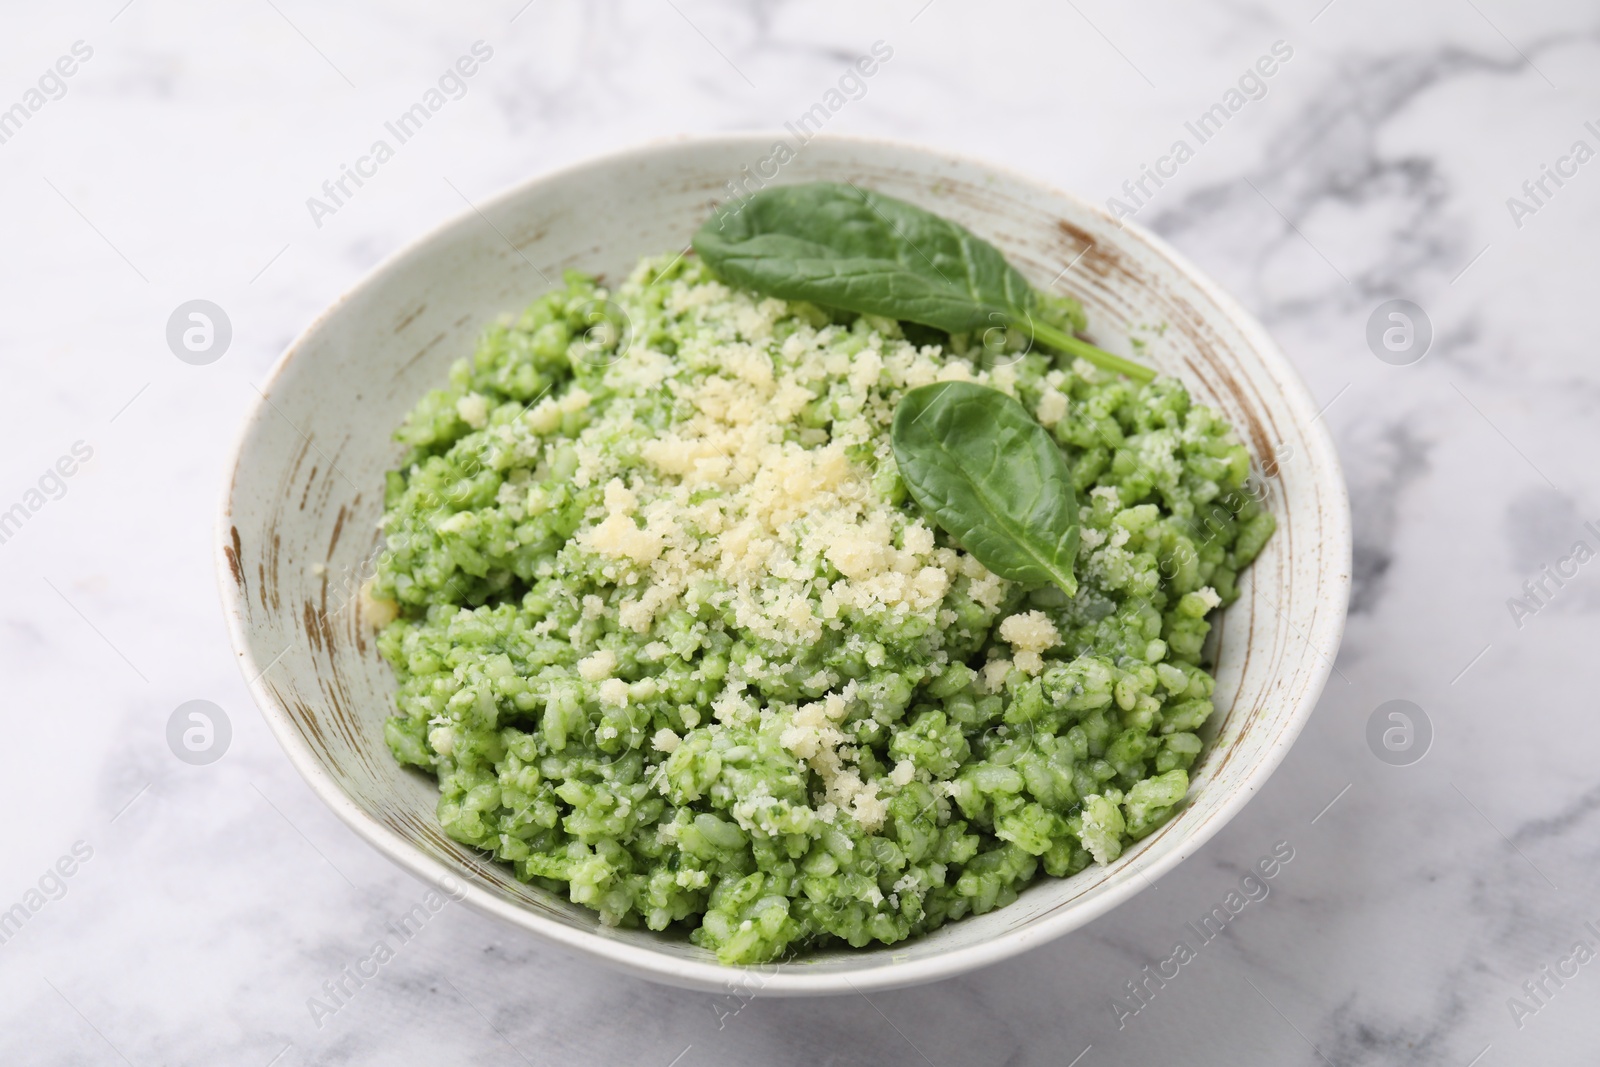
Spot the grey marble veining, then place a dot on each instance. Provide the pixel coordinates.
(1426, 907)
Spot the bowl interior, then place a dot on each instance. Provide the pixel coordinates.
(299, 531)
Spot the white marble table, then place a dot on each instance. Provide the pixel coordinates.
(216, 899)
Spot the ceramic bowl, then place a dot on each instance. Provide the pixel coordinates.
(298, 527)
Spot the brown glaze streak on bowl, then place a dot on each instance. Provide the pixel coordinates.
(299, 527)
(231, 552)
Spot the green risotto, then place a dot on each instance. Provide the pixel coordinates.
(676, 641)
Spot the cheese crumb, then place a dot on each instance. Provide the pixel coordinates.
(1030, 634)
(903, 772)
(870, 811)
(994, 675)
(543, 417)
(1052, 408)
(618, 535)
(377, 611)
(988, 591)
(474, 410)
(598, 666)
(614, 691)
(666, 741)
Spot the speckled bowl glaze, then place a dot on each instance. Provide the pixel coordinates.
(298, 527)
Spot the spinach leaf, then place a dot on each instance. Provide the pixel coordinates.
(992, 478)
(846, 247)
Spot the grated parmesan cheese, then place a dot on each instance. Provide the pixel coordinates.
(474, 410)
(1030, 634)
(599, 666)
(1052, 408)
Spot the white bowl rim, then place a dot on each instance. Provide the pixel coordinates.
(791, 979)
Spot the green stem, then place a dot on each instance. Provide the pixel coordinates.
(1065, 342)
